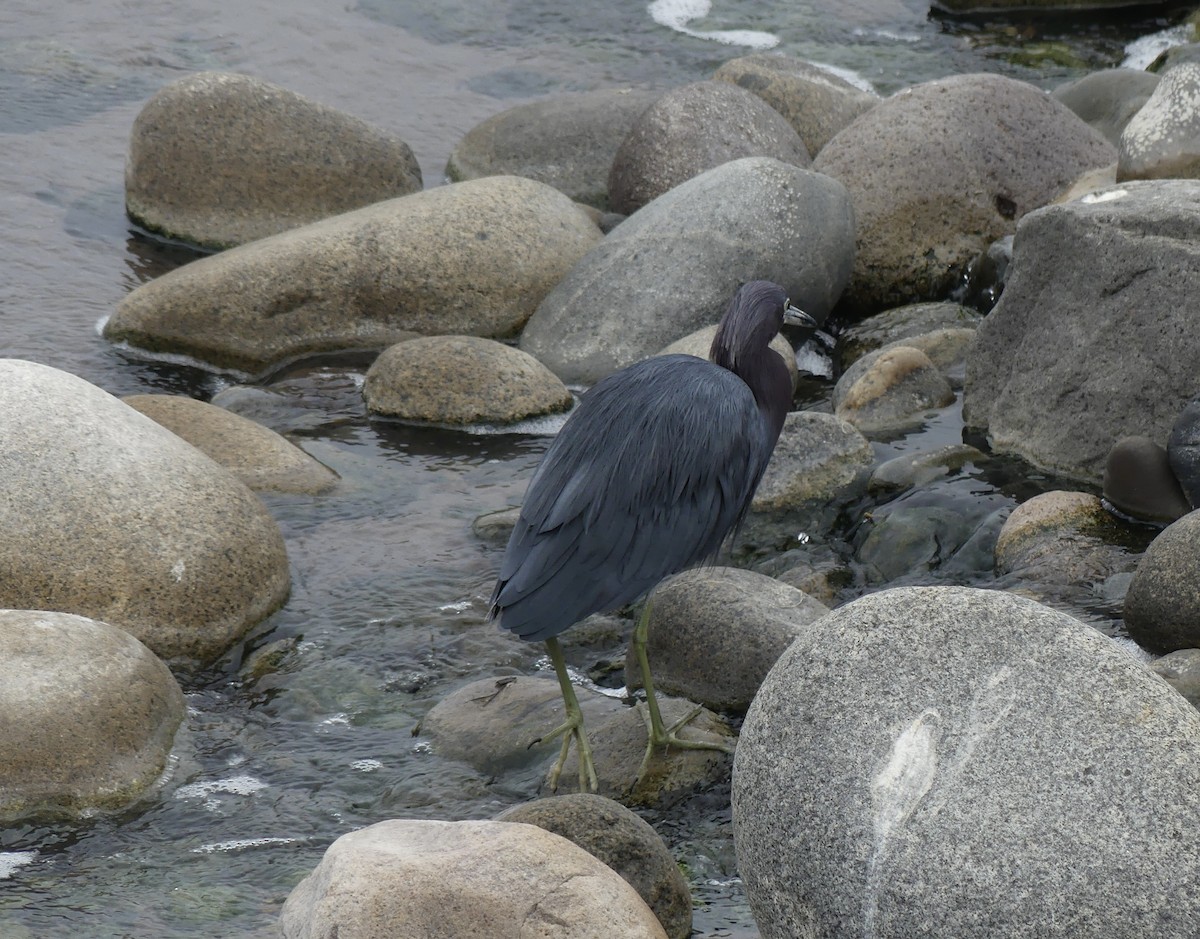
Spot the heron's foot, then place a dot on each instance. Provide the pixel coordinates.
(667, 737)
(572, 729)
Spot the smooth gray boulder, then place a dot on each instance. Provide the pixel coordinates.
(890, 389)
(219, 159)
(903, 322)
(672, 268)
(461, 380)
(1181, 670)
(473, 258)
(946, 761)
(1162, 606)
(1162, 140)
(815, 102)
(939, 171)
(911, 470)
(691, 129)
(109, 515)
(1138, 481)
(1087, 347)
(432, 879)
(715, 632)
(1108, 99)
(566, 141)
(90, 715)
(911, 540)
(262, 459)
(614, 834)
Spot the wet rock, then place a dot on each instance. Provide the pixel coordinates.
(1062, 538)
(1086, 348)
(109, 515)
(1138, 481)
(1162, 607)
(715, 633)
(1181, 670)
(820, 464)
(924, 732)
(945, 348)
(815, 570)
(429, 879)
(90, 715)
(219, 159)
(699, 342)
(911, 540)
(1108, 99)
(565, 141)
(671, 268)
(977, 555)
(912, 470)
(1162, 140)
(904, 322)
(815, 102)
(695, 128)
(609, 831)
(462, 380)
(473, 258)
(1183, 451)
(939, 171)
(259, 457)
(496, 527)
(889, 389)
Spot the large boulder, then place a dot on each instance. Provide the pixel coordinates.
(566, 141)
(671, 268)
(1162, 607)
(939, 171)
(691, 129)
(1109, 98)
(1162, 139)
(431, 879)
(945, 761)
(219, 159)
(109, 515)
(1088, 346)
(473, 258)
(90, 715)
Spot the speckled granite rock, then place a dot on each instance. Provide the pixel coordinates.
(1163, 139)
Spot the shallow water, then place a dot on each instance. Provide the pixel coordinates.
(303, 733)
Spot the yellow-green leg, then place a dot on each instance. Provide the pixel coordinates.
(661, 735)
(571, 727)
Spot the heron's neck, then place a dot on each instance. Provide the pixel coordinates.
(769, 381)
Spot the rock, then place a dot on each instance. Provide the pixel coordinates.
(565, 141)
(90, 715)
(899, 323)
(813, 568)
(945, 348)
(699, 342)
(218, 159)
(429, 879)
(913, 470)
(695, 128)
(496, 527)
(109, 515)
(1085, 348)
(1181, 670)
(473, 258)
(1162, 607)
(671, 268)
(1183, 451)
(462, 380)
(1108, 99)
(931, 762)
(977, 555)
(1138, 481)
(715, 633)
(259, 457)
(609, 831)
(890, 389)
(911, 540)
(1062, 538)
(815, 102)
(1162, 140)
(939, 171)
(820, 464)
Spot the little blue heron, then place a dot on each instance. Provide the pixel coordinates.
(657, 464)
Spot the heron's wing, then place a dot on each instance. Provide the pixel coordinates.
(647, 477)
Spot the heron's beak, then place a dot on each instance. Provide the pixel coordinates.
(794, 316)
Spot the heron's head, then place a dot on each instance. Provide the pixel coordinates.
(757, 312)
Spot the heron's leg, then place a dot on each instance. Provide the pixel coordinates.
(661, 735)
(571, 727)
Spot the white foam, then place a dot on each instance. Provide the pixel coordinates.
(676, 14)
(1145, 49)
(366, 766)
(234, 785)
(12, 861)
(220, 847)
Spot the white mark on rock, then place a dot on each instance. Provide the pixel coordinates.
(1109, 196)
(177, 570)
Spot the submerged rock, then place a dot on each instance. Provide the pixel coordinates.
(430, 879)
(926, 732)
(912, 540)
(219, 159)
(90, 715)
